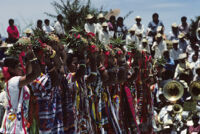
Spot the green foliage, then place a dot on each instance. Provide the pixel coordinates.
(193, 26)
(74, 12)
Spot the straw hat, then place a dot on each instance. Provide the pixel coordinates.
(181, 35)
(144, 40)
(159, 35)
(105, 24)
(174, 25)
(182, 56)
(198, 29)
(89, 16)
(175, 41)
(100, 16)
(138, 18)
(132, 29)
(28, 31)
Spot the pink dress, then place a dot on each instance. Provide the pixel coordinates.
(13, 33)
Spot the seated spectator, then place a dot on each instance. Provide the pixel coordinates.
(173, 35)
(175, 51)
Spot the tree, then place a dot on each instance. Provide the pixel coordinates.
(194, 26)
(74, 12)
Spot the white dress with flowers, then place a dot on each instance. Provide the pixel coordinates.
(17, 111)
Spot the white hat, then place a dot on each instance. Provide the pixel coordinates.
(175, 41)
(132, 29)
(28, 31)
(174, 25)
(89, 16)
(144, 40)
(159, 28)
(181, 35)
(182, 56)
(105, 24)
(138, 18)
(100, 16)
(158, 35)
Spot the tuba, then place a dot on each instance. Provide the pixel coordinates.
(177, 109)
(173, 90)
(194, 89)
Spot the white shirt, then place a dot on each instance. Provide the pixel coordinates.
(144, 48)
(172, 36)
(90, 28)
(183, 45)
(159, 49)
(174, 54)
(98, 28)
(104, 37)
(139, 29)
(59, 28)
(48, 29)
(131, 39)
(3, 99)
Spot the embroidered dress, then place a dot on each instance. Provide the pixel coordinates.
(50, 108)
(17, 111)
(68, 104)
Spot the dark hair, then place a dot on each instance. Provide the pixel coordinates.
(59, 16)
(11, 62)
(70, 59)
(46, 21)
(112, 17)
(155, 14)
(184, 18)
(39, 21)
(120, 19)
(10, 21)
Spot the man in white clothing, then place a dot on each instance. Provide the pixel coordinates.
(104, 35)
(138, 26)
(47, 27)
(90, 25)
(182, 42)
(173, 35)
(159, 46)
(144, 46)
(131, 38)
(175, 51)
(101, 20)
(59, 27)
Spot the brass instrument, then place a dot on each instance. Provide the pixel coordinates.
(173, 90)
(177, 109)
(194, 89)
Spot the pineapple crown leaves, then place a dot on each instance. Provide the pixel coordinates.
(117, 42)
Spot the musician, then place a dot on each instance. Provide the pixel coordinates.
(195, 129)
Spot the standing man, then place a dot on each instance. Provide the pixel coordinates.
(59, 27)
(184, 27)
(138, 26)
(153, 25)
(90, 25)
(13, 33)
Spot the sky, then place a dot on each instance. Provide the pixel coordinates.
(26, 12)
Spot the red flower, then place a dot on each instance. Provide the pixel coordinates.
(91, 34)
(119, 52)
(111, 46)
(77, 36)
(92, 48)
(107, 53)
